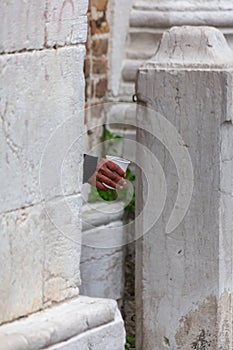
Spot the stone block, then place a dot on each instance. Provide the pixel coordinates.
(82, 323)
(62, 249)
(102, 271)
(97, 214)
(40, 104)
(66, 22)
(22, 25)
(98, 338)
(182, 288)
(21, 259)
(40, 255)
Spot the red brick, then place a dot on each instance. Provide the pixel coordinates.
(100, 66)
(101, 88)
(100, 5)
(100, 47)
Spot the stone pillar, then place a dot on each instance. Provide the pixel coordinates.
(42, 87)
(184, 261)
(42, 49)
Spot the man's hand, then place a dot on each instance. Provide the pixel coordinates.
(109, 173)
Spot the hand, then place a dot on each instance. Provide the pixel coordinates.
(109, 173)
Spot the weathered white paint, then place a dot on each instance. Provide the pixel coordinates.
(22, 25)
(34, 103)
(39, 24)
(184, 278)
(66, 22)
(118, 17)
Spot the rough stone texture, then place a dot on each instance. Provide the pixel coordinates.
(34, 103)
(66, 22)
(119, 12)
(31, 110)
(41, 119)
(82, 323)
(184, 279)
(102, 270)
(37, 24)
(99, 338)
(48, 263)
(97, 214)
(22, 25)
(21, 259)
(148, 21)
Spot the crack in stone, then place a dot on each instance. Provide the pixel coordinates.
(12, 145)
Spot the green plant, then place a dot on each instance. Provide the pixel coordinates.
(110, 141)
(130, 342)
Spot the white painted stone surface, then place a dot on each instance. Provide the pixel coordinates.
(118, 18)
(39, 263)
(44, 89)
(22, 25)
(39, 24)
(34, 103)
(109, 335)
(97, 214)
(184, 280)
(81, 323)
(21, 260)
(102, 269)
(66, 22)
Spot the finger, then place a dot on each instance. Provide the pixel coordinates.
(114, 167)
(105, 179)
(101, 187)
(113, 176)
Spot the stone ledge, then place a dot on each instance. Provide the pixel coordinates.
(98, 338)
(97, 214)
(183, 5)
(58, 324)
(176, 17)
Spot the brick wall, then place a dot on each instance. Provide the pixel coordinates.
(96, 67)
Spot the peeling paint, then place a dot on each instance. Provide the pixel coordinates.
(198, 329)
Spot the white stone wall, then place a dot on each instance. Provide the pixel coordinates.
(42, 86)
